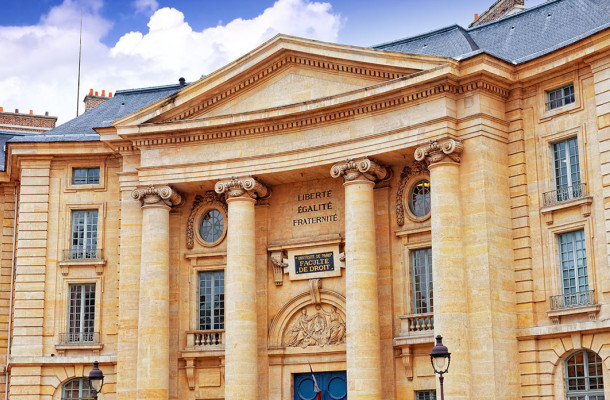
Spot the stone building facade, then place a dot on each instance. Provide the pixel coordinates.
(315, 205)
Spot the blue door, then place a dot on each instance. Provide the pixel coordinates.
(333, 385)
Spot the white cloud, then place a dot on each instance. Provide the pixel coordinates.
(44, 58)
(146, 7)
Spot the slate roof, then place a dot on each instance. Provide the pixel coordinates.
(516, 38)
(5, 136)
(80, 129)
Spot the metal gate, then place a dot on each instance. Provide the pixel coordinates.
(333, 385)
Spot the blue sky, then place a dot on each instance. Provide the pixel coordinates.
(135, 43)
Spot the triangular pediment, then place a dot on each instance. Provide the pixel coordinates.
(282, 72)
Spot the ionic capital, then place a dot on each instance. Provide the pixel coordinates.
(244, 186)
(360, 168)
(154, 195)
(440, 150)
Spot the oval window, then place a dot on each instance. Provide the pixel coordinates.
(419, 198)
(212, 226)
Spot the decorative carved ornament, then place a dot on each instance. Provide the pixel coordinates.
(322, 327)
(280, 265)
(210, 198)
(242, 186)
(418, 168)
(440, 150)
(360, 168)
(154, 195)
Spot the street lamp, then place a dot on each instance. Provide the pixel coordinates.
(440, 359)
(96, 380)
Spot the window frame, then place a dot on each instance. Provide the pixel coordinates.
(562, 99)
(428, 268)
(82, 314)
(66, 234)
(574, 394)
(87, 248)
(575, 268)
(557, 82)
(566, 146)
(71, 166)
(203, 264)
(87, 176)
(431, 392)
(406, 197)
(83, 386)
(213, 326)
(65, 305)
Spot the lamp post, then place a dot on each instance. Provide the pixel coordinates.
(96, 380)
(440, 359)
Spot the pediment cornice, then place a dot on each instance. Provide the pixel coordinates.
(201, 130)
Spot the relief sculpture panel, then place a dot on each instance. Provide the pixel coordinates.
(319, 326)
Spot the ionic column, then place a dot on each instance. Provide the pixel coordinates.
(153, 315)
(448, 269)
(241, 365)
(363, 346)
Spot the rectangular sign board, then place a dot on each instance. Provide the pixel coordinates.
(311, 263)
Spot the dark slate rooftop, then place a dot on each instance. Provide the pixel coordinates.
(516, 38)
(80, 129)
(5, 136)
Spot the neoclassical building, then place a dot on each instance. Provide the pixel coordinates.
(316, 205)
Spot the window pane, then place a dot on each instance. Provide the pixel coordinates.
(584, 377)
(421, 264)
(573, 258)
(211, 300)
(419, 198)
(85, 176)
(84, 234)
(81, 314)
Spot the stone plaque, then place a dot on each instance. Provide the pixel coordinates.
(311, 263)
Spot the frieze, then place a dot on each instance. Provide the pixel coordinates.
(417, 168)
(323, 327)
(208, 199)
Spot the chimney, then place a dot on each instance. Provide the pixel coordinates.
(93, 100)
(26, 122)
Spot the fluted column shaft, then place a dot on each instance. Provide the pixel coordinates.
(153, 313)
(241, 364)
(448, 269)
(363, 346)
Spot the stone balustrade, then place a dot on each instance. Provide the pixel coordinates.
(415, 324)
(205, 340)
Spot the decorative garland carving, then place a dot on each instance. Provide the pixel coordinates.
(417, 168)
(439, 150)
(208, 199)
(243, 186)
(364, 167)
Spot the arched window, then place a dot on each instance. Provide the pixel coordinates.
(77, 389)
(584, 380)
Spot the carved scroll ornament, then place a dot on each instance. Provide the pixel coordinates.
(360, 168)
(439, 150)
(210, 198)
(242, 186)
(153, 195)
(418, 168)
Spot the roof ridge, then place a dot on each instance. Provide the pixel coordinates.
(149, 89)
(514, 15)
(421, 35)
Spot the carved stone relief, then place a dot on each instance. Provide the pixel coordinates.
(209, 199)
(316, 326)
(417, 168)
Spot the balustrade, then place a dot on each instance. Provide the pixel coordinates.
(205, 340)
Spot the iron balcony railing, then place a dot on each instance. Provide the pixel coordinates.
(82, 254)
(572, 300)
(79, 338)
(564, 193)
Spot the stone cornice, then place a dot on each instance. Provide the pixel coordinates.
(359, 169)
(319, 117)
(245, 186)
(151, 195)
(371, 71)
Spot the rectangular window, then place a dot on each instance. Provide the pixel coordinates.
(211, 300)
(86, 176)
(561, 97)
(84, 235)
(425, 395)
(573, 258)
(81, 315)
(567, 170)
(421, 264)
